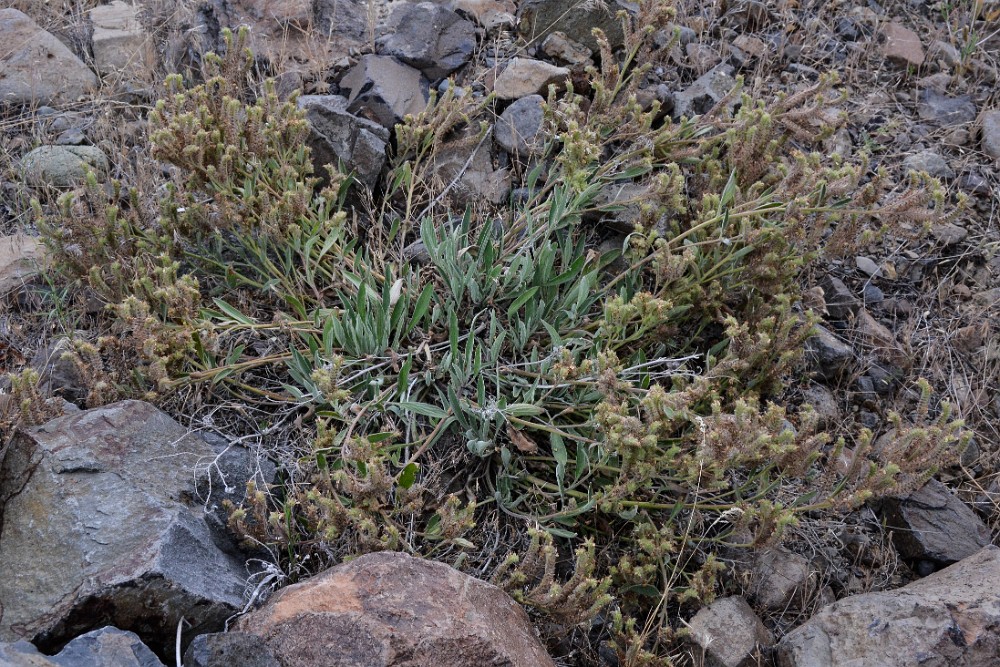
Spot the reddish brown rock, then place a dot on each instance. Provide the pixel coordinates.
(902, 45)
(393, 610)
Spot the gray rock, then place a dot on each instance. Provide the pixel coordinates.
(36, 68)
(948, 619)
(705, 92)
(557, 45)
(108, 496)
(518, 131)
(229, 649)
(933, 524)
(782, 579)
(824, 403)
(525, 76)
(829, 355)
(107, 647)
(872, 295)
(19, 256)
(867, 266)
(71, 137)
(384, 90)
(342, 139)
(990, 133)
(537, 18)
(974, 183)
(840, 300)
(729, 633)
(466, 165)
(491, 14)
(949, 233)
(62, 166)
(119, 41)
(429, 37)
(940, 109)
(931, 162)
(58, 373)
(389, 610)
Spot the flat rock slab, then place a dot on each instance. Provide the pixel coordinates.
(36, 68)
(107, 647)
(948, 619)
(393, 610)
(109, 497)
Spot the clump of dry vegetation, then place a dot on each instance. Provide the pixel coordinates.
(609, 413)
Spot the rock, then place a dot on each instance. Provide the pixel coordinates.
(701, 57)
(705, 92)
(384, 90)
(282, 13)
(466, 162)
(36, 68)
(867, 266)
(752, 46)
(840, 300)
(990, 133)
(62, 166)
(929, 161)
(518, 130)
(949, 233)
(120, 43)
(902, 45)
(19, 255)
(933, 524)
(829, 355)
(974, 183)
(783, 579)
(538, 18)
(342, 139)
(729, 633)
(107, 647)
(877, 335)
(229, 649)
(525, 76)
(824, 403)
(871, 295)
(108, 496)
(949, 619)
(392, 610)
(429, 37)
(58, 374)
(940, 109)
(491, 14)
(560, 47)
(416, 253)
(948, 53)
(71, 137)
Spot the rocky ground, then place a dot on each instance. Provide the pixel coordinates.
(93, 535)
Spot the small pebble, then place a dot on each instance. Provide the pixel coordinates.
(867, 266)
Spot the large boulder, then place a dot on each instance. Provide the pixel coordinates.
(36, 68)
(393, 610)
(340, 138)
(948, 619)
(101, 523)
(107, 647)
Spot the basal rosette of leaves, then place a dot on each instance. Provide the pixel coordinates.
(608, 403)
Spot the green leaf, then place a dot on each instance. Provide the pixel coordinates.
(521, 300)
(409, 475)
(233, 312)
(424, 409)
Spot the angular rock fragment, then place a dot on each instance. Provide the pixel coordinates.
(933, 524)
(393, 610)
(519, 129)
(902, 45)
(526, 76)
(948, 619)
(120, 43)
(106, 647)
(342, 139)
(229, 649)
(705, 92)
(384, 90)
(108, 496)
(828, 354)
(429, 37)
(537, 18)
(729, 633)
